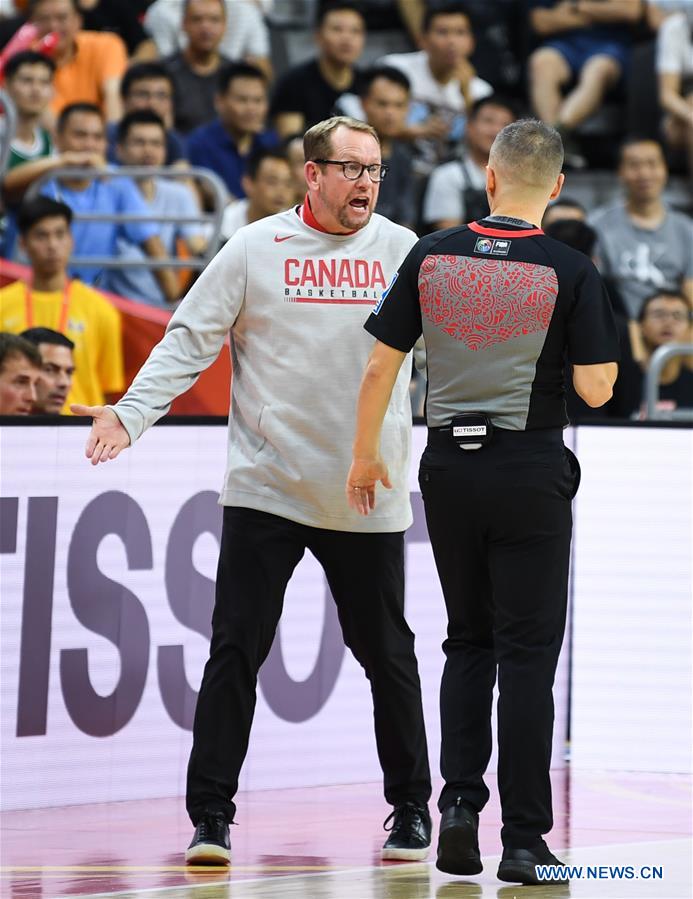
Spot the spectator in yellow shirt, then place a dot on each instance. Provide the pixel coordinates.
(52, 300)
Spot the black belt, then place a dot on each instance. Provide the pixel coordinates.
(474, 430)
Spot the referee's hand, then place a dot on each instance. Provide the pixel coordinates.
(364, 474)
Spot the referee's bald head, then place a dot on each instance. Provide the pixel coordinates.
(528, 154)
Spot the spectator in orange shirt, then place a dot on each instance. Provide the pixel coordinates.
(52, 300)
(89, 64)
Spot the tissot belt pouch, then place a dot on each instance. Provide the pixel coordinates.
(471, 430)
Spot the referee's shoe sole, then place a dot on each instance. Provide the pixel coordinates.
(520, 866)
(458, 842)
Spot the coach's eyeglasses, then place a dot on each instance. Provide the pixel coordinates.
(353, 170)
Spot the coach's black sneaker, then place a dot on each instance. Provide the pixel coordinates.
(458, 840)
(520, 866)
(410, 833)
(210, 843)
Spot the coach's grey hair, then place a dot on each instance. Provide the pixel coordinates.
(529, 152)
(317, 141)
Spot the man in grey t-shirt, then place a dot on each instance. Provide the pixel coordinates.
(643, 245)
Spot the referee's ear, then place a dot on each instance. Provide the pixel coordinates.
(558, 187)
(491, 181)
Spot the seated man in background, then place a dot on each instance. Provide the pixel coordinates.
(500, 29)
(195, 69)
(444, 84)
(665, 318)
(142, 142)
(268, 186)
(81, 130)
(456, 191)
(29, 83)
(563, 209)
(675, 76)
(643, 245)
(148, 85)
(293, 147)
(20, 370)
(385, 99)
(89, 64)
(57, 369)
(53, 300)
(308, 92)
(246, 36)
(225, 144)
(585, 43)
(569, 226)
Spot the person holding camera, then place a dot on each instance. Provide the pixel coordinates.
(456, 191)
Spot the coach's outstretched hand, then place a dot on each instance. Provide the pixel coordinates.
(107, 436)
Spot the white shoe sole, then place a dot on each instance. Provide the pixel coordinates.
(207, 854)
(404, 855)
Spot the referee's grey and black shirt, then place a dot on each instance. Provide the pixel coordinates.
(501, 306)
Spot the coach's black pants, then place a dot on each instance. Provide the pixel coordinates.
(500, 524)
(365, 573)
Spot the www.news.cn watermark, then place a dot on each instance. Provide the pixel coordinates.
(599, 872)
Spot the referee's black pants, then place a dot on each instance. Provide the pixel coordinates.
(365, 573)
(500, 524)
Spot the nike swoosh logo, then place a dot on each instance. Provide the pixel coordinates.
(278, 239)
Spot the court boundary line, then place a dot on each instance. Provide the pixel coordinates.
(362, 869)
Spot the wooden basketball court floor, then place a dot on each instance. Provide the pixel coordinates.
(323, 843)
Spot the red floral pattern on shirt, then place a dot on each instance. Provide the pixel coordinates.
(484, 302)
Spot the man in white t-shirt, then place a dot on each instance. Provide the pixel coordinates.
(456, 191)
(268, 187)
(291, 292)
(443, 82)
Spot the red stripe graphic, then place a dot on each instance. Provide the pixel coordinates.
(331, 302)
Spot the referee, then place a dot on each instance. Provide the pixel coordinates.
(500, 306)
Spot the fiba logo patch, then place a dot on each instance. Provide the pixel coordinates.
(385, 293)
(494, 247)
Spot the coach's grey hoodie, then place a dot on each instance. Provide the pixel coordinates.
(293, 301)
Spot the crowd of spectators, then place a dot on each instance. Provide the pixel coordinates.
(172, 85)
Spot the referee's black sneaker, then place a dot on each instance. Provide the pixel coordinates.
(410, 833)
(458, 840)
(520, 865)
(210, 843)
